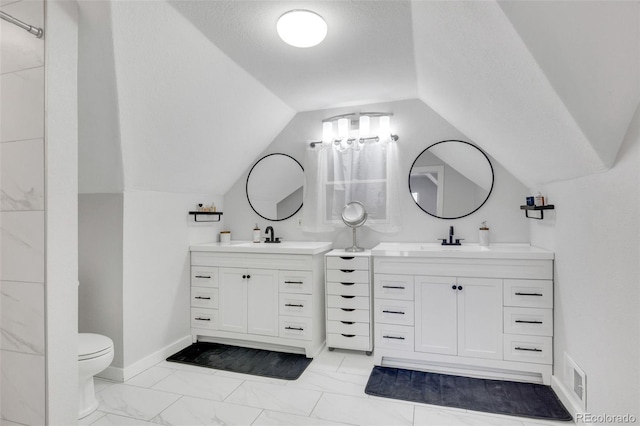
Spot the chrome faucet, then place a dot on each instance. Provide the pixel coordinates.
(271, 239)
(451, 241)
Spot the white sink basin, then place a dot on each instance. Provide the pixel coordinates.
(283, 247)
(469, 251)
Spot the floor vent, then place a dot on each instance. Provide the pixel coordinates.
(576, 381)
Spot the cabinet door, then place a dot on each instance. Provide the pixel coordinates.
(232, 296)
(436, 315)
(262, 302)
(480, 318)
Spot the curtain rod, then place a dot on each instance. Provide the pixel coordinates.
(38, 32)
(351, 140)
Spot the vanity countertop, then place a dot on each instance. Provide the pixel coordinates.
(466, 251)
(284, 247)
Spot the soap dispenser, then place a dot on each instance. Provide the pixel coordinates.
(484, 234)
(256, 234)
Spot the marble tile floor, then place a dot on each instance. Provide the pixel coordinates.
(329, 392)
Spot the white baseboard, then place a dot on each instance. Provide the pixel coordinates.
(563, 394)
(120, 374)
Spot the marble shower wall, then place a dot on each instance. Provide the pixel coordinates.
(22, 217)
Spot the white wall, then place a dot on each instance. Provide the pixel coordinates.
(418, 127)
(23, 348)
(61, 156)
(594, 232)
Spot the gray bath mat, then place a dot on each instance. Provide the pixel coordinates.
(490, 396)
(256, 362)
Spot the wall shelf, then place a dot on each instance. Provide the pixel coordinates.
(196, 214)
(541, 209)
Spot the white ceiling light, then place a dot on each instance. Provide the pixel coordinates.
(301, 28)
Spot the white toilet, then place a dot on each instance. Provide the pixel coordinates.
(95, 353)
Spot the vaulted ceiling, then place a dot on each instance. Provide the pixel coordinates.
(182, 95)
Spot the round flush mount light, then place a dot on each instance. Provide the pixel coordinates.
(301, 28)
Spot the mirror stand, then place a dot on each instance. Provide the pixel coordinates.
(354, 215)
(354, 248)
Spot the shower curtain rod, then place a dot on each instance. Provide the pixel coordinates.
(38, 32)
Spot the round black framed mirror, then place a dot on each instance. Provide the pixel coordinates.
(451, 179)
(274, 187)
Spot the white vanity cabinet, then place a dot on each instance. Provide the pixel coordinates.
(349, 300)
(477, 311)
(259, 296)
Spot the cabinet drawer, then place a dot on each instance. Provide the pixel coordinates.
(349, 327)
(394, 311)
(348, 289)
(295, 281)
(355, 302)
(536, 349)
(348, 314)
(204, 276)
(204, 297)
(347, 276)
(394, 337)
(533, 321)
(528, 293)
(394, 286)
(298, 305)
(204, 318)
(348, 341)
(295, 328)
(348, 262)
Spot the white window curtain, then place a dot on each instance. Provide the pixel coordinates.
(337, 175)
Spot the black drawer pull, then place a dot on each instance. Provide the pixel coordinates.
(347, 257)
(202, 319)
(347, 271)
(348, 335)
(527, 294)
(393, 337)
(348, 309)
(346, 297)
(203, 298)
(393, 286)
(343, 283)
(294, 282)
(203, 276)
(393, 312)
(294, 328)
(528, 322)
(518, 348)
(294, 305)
(348, 322)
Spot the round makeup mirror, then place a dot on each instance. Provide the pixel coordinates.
(451, 179)
(354, 215)
(274, 187)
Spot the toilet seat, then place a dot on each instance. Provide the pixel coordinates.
(92, 345)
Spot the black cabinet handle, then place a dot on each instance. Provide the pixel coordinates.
(293, 304)
(393, 337)
(347, 297)
(294, 282)
(343, 283)
(348, 309)
(203, 276)
(348, 335)
(459, 287)
(202, 319)
(347, 257)
(393, 286)
(527, 294)
(294, 328)
(347, 271)
(348, 322)
(244, 277)
(518, 348)
(393, 312)
(203, 298)
(528, 322)
(453, 287)
(248, 276)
